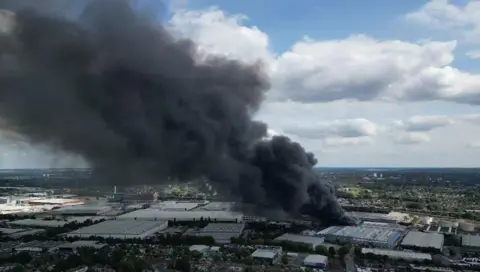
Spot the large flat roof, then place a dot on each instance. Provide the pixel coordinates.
(423, 239)
(174, 205)
(264, 254)
(398, 254)
(119, 227)
(314, 258)
(471, 240)
(301, 239)
(180, 215)
(81, 208)
(224, 227)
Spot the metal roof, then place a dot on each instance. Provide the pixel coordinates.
(311, 240)
(398, 254)
(181, 215)
(224, 227)
(264, 254)
(314, 258)
(122, 227)
(471, 240)
(423, 239)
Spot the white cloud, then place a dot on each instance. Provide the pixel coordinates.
(473, 145)
(349, 128)
(473, 54)
(358, 67)
(222, 34)
(337, 142)
(412, 138)
(424, 123)
(463, 20)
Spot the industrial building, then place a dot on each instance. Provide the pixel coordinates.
(423, 240)
(375, 236)
(121, 229)
(311, 241)
(373, 217)
(269, 256)
(156, 214)
(38, 246)
(199, 248)
(175, 206)
(39, 223)
(18, 233)
(316, 261)
(398, 254)
(218, 206)
(440, 229)
(55, 223)
(222, 233)
(471, 243)
(74, 246)
(82, 210)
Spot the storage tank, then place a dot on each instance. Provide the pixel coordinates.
(445, 224)
(465, 226)
(455, 224)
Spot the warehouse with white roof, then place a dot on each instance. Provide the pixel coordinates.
(156, 214)
(311, 241)
(398, 254)
(316, 261)
(376, 235)
(222, 233)
(471, 243)
(423, 240)
(82, 210)
(121, 229)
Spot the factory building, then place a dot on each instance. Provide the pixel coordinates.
(175, 206)
(471, 243)
(316, 261)
(397, 254)
(222, 233)
(199, 248)
(121, 229)
(467, 227)
(82, 210)
(417, 240)
(74, 246)
(311, 241)
(52, 201)
(38, 246)
(373, 236)
(18, 233)
(56, 223)
(373, 217)
(266, 256)
(196, 215)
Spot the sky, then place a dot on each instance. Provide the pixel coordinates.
(359, 83)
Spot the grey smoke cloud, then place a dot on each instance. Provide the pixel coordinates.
(116, 88)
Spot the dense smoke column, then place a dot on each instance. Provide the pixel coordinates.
(118, 89)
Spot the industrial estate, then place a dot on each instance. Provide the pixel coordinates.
(189, 227)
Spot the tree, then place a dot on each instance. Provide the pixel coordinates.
(358, 251)
(18, 268)
(182, 264)
(342, 251)
(285, 259)
(331, 251)
(321, 249)
(248, 260)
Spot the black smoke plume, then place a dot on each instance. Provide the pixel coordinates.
(117, 88)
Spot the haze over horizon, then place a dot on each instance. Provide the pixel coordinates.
(374, 85)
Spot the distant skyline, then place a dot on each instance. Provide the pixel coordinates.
(358, 83)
